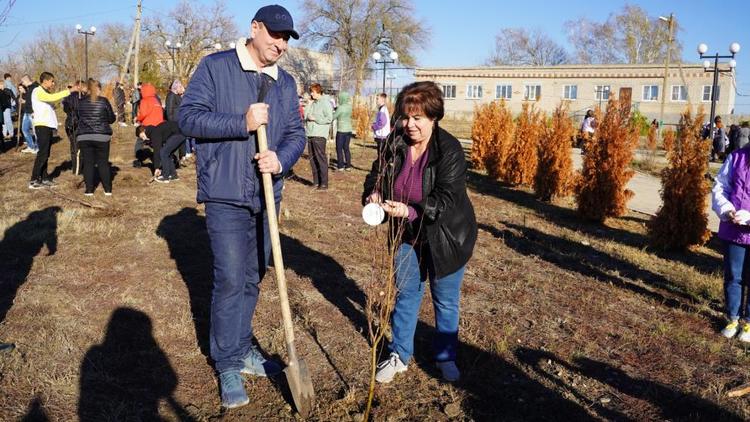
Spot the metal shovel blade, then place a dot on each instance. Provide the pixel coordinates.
(301, 387)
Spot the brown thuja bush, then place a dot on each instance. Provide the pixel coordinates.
(554, 174)
(491, 132)
(522, 158)
(361, 120)
(601, 189)
(682, 220)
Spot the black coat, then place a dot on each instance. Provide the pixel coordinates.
(172, 106)
(448, 224)
(94, 117)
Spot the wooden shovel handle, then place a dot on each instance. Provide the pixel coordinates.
(278, 260)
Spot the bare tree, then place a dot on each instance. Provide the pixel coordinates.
(521, 47)
(196, 28)
(629, 36)
(353, 29)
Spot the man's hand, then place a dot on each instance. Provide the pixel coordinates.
(729, 216)
(268, 162)
(157, 173)
(257, 114)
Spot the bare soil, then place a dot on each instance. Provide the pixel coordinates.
(107, 301)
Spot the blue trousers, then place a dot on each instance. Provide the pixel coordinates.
(7, 123)
(27, 128)
(241, 248)
(413, 268)
(736, 269)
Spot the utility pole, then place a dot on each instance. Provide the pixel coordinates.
(670, 23)
(136, 69)
(124, 69)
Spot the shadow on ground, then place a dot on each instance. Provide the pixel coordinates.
(189, 246)
(670, 403)
(21, 243)
(127, 375)
(597, 265)
(570, 219)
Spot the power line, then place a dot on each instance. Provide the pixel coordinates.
(68, 17)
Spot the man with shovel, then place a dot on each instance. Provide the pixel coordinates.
(232, 98)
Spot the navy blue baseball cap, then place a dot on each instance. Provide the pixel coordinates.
(277, 19)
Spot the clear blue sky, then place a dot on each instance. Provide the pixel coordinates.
(463, 31)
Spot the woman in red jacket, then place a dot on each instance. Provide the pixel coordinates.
(150, 111)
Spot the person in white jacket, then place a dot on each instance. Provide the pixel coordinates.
(45, 122)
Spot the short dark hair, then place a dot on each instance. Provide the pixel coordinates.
(6, 76)
(316, 88)
(45, 76)
(425, 97)
(383, 95)
(139, 129)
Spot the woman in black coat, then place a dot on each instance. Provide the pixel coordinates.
(421, 186)
(95, 117)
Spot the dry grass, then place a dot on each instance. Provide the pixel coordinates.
(109, 310)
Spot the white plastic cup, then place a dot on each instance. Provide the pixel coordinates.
(373, 214)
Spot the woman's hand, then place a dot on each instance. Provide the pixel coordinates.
(374, 198)
(396, 209)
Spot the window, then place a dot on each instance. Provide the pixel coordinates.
(601, 92)
(707, 93)
(679, 93)
(473, 91)
(503, 91)
(532, 92)
(650, 92)
(449, 91)
(570, 92)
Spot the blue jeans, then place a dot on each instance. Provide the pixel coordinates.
(7, 123)
(413, 268)
(27, 128)
(236, 233)
(736, 269)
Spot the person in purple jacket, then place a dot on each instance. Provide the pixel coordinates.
(730, 200)
(382, 126)
(420, 183)
(231, 94)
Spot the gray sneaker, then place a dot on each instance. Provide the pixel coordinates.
(256, 364)
(449, 370)
(233, 392)
(47, 183)
(388, 368)
(35, 185)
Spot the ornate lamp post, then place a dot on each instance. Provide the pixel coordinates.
(734, 48)
(86, 34)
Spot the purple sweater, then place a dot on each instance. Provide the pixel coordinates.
(408, 185)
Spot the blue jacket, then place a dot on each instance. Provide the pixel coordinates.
(213, 112)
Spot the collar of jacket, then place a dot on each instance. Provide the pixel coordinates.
(433, 147)
(249, 65)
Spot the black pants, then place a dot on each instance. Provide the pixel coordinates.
(343, 155)
(95, 153)
(318, 160)
(172, 143)
(44, 140)
(380, 142)
(73, 148)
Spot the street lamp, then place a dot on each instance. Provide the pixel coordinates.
(390, 78)
(380, 59)
(86, 34)
(670, 26)
(173, 49)
(734, 48)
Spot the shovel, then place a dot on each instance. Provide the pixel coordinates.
(296, 372)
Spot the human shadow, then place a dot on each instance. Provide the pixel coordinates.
(570, 219)
(597, 265)
(329, 278)
(127, 375)
(671, 403)
(20, 244)
(187, 238)
(35, 412)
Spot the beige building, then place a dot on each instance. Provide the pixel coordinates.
(585, 86)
